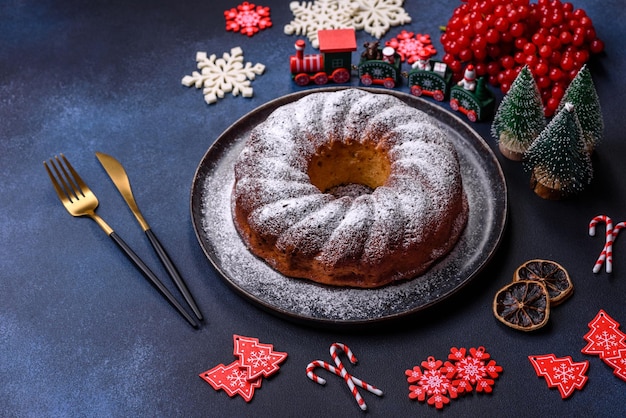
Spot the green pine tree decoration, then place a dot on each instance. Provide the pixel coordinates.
(582, 94)
(520, 117)
(559, 162)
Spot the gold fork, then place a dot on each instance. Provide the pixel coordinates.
(79, 200)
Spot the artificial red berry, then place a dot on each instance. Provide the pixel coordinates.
(596, 46)
(530, 48)
(545, 51)
(565, 37)
(507, 62)
(538, 39)
(567, 63)
(465, 55)
(517, 29)
(580, 57)
(492, 36)
(555, 74)
(543, 82)
(480, 54)
(520, 57)
(541, 68)
(493, 68)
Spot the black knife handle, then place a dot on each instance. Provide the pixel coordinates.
(152, 278)
(173, 272)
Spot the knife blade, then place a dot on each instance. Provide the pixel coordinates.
(120, 179)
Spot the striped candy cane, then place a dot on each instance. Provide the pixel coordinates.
(343, 373)
(616, 230)
(607, 251)
(310, 372)
(340, 371)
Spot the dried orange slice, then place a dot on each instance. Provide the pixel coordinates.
(523, 305)
(551, 274)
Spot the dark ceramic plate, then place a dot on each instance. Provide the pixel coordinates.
(305, 301)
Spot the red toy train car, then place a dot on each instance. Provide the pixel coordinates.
(334, 62)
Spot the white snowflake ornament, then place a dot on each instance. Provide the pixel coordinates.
(310, 17)
(376, 17)
(218, 76)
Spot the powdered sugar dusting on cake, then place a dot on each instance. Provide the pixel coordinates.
(348, 238)
(272, 170)
(310, 234)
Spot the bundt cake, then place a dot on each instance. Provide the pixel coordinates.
(349, 188)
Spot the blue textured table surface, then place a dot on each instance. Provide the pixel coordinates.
(83, 334)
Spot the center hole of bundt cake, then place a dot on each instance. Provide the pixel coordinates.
(349, 168)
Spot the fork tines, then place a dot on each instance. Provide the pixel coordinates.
(66, 185)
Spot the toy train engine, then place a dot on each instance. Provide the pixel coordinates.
(334, 62)
(380, 66)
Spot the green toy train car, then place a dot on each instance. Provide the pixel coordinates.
(433, 81)
(381, 67)
(478, 104)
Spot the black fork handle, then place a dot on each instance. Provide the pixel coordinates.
(152, 278)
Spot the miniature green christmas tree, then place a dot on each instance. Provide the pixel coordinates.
(558, 160)
(582, 94)
(520, 117)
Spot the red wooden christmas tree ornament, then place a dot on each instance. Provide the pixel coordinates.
(257, 358)
(618, 363)
(244, 375)
(561, 372)
(604, 337)
(232, 379)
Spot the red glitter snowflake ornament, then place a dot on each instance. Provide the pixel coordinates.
(247, 18)
(412, 47)
(434, 382)
(474, 370)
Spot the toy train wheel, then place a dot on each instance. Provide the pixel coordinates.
(438, 95)
(454, 104)
(340, 75)
(367, 80)
(472, 116)
(416, 90)
(302, 79)
(389, 83)
(320, 78)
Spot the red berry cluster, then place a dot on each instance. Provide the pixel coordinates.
(501, 36)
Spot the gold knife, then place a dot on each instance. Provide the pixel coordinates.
(118, 175)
